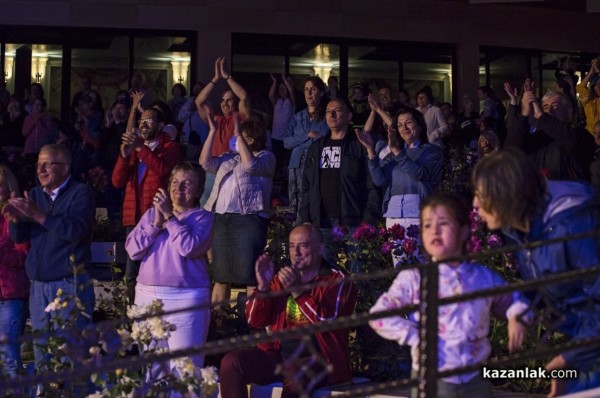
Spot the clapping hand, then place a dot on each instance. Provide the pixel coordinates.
(265, 272)
(218, 63)
(364, 138)
(290, 277)
(373, 103)
(23, 208)
(512, 93)
(224, 74)
(163, 208)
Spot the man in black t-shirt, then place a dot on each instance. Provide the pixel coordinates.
(337, 187)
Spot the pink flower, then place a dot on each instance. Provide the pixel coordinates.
(474, 245)
(397, 231)
(364, 231)
(413, 231)
(386, 247)
(409, 245)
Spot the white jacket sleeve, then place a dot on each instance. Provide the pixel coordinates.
(403, 292)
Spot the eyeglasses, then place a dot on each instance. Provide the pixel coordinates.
(147, 121)
(46, 165)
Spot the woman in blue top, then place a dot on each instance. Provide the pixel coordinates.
(306, 126)
(407, 166)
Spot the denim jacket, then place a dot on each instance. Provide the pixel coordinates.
(296, 136)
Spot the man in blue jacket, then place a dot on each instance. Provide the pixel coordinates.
(57, 218)
(510, 193)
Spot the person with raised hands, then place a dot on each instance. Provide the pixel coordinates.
(241, 201)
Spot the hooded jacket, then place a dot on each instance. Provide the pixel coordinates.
(569, 208)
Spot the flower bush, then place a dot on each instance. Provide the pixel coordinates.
(147, 330)
(483, 240)
(369, 249)
(68, 347)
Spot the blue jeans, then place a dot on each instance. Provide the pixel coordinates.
(132, 269)
(12, 317)
(208, 185)
(42, 294)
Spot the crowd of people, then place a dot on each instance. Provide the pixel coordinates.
(194, 185)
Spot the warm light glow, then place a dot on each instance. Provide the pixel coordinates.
(323, 72)
(180, 71)
(8, 67)
(322, 65)
(38, 67)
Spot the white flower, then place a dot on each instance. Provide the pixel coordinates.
(94, 350)
(185, 367)
(210, 376)
(97, 394)
(54, 305)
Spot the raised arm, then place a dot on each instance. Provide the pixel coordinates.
(136, 98)
(202, 97)
(594, 69)
(242, 146)
(374, 104)
(206, 154)
(289, 87)
(245, 107)
(273, 90)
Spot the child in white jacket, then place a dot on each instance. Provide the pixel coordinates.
(463, 327)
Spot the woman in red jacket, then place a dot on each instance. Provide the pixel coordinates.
(14, 284)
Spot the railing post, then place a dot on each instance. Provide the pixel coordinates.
(428, 331)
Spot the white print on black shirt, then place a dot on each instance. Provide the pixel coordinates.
(330, 157)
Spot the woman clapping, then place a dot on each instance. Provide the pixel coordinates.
(171, 240)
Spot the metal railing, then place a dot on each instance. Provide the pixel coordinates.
(428, 308)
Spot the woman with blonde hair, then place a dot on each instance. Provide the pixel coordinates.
(171, 240)
(14, 284)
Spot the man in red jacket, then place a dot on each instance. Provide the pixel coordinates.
(143, 166)
(301, 307)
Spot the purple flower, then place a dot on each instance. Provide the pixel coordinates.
(338, 233)
(397, 231)
(409, 245)
(413, 231)
(494, 240)
(474, 245)
(386, 247)
(476, 221)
